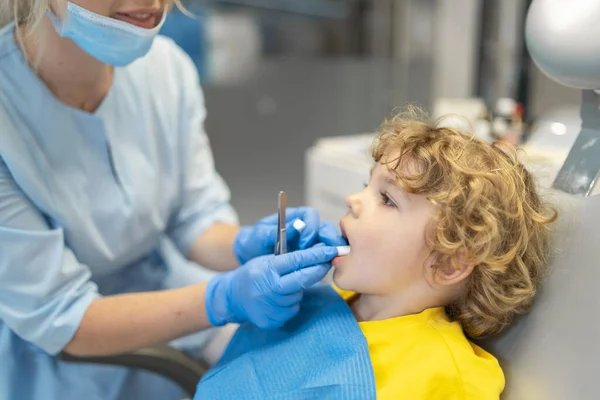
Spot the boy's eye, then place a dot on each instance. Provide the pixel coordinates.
(386, 200)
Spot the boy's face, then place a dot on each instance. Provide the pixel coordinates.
(385, 227)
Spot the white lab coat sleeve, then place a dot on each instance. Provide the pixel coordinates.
(44, 290)
(204, 197)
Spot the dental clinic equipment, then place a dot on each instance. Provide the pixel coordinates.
(281, 242)
(562, 40)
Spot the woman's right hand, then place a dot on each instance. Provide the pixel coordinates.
(267, 290)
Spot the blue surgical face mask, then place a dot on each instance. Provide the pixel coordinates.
(108, 40)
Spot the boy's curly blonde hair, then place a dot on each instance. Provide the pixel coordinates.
(488, 213)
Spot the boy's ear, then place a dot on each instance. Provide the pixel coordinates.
(453, 271)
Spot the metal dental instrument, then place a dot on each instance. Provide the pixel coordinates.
(281, 242)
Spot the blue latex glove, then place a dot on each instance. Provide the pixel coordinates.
(259, 240)
(268, 289)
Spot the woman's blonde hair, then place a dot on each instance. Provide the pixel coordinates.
(487, 213)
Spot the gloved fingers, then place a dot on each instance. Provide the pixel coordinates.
(243, 235)
(328, 234)
(270, 219)
(297, 260)
(290, 230)
(266, 322)
(265, 231)
(243, 246)
(304, 278)
(286, 313)
(307, 232)
(278, 297)
(277, 317)
(267, 235)
(310, 233)
(288, 300)
(293, 311)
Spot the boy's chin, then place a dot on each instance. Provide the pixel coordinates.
(337, 279)
(342, 281)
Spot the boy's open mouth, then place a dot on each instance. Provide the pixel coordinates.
(343, 232)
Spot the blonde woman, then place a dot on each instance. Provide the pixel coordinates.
(103, 164)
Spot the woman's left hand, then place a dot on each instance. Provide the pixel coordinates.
(267, 290)
(259, 240)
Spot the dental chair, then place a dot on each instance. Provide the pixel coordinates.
(552, 353)
(163, 360)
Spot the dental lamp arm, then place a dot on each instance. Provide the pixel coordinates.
(562, 39)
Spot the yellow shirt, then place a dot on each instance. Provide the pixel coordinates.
(427, 357)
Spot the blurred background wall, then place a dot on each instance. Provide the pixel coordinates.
(280, 74)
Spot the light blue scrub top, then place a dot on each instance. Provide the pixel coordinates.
(90, 205)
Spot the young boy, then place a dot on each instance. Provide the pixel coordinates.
(449, 235)
(449, 239)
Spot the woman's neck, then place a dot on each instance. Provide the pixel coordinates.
(72, 75)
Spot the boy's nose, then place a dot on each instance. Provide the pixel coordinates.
(353, 204)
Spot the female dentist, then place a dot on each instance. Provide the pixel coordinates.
(103, 158)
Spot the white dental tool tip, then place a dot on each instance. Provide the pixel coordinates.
(299, 225)
(343, 250)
